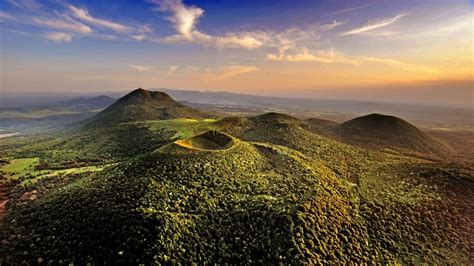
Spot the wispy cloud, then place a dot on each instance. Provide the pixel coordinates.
(73, 20)
(25, 4)
(462, 23)
(330, 26)
(331, 56)
(56, 21)
(58, 37)
(139, 37)
(375, 25)
(107, 37)
(67, 24)
(185, 19)
(382, 33)
(6, 16)
(145, 28)
(193, 68)
(321, 56)
(350, 9)
(295, 40)
(84, 15)
(233, 71)
(141, 68)
(215, 74)
(20, 32)
(402, 65)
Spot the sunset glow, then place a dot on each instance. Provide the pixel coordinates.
(418, 51)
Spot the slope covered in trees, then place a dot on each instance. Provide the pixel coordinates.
(382, 131)
(240, 190)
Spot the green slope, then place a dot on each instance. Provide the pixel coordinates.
(383, 131)
(258, 190)
(288, 131)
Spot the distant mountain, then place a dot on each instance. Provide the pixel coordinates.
(384, 131)
(89, 102)
(140, 105)
(319, 122)
(333, 106)
(275, 117)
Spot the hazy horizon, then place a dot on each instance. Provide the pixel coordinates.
(415, 52)
(52, 96)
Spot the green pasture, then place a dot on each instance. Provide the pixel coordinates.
(24, 166)
(184, 127)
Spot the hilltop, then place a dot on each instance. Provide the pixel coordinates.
(122, 130)
(288, 131)
(140, 105)
(384, 131)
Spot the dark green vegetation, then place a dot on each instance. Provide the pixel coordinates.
(377, 131)
(242, 190)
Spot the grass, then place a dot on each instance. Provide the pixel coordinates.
(184, 127)
(26, 166)
(19, 167)
(48, 173)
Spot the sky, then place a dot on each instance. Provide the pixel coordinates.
(409, 51)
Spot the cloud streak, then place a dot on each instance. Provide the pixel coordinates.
(58, 37)
(68, 24)
(25, 4)
(6, 16)
(350, 9)
(321, 56)
(402, 65)
(375, 25)
(331, 56)
(84, 15)
(141, 68)
(233, 71)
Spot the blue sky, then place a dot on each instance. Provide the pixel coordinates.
(422, 50)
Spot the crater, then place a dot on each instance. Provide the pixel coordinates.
(209, 141)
